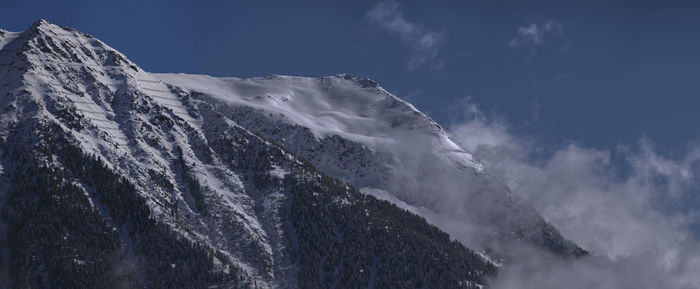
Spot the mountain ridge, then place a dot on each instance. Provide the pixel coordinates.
(144, 161)
(363, 136)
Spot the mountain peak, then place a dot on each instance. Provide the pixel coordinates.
(364, 82)
(230, 180)
(42, 25)
(41, 22)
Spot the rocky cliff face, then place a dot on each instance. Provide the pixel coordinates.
(113, 177)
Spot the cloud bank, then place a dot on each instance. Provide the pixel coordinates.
(533, 35)
(423, 43)
(631, 218)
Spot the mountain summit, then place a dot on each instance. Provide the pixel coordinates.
(113, 177)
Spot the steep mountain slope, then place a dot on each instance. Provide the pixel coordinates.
(112, 179)
(356, 131)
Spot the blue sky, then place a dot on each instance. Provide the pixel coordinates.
(601, 73)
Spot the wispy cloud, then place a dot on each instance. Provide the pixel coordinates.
(534, 34)
(423, 43)
(635, 242)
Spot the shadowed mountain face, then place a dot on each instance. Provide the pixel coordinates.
(113, 177)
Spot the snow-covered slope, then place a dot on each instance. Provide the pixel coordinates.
(112, 178)
(114, 111)
(355, 109)
(356, 131)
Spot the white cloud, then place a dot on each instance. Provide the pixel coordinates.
(533, 35)
(635, 242)
(423, 43)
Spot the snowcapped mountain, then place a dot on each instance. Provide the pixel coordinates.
(354, 130)
(113, 177)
